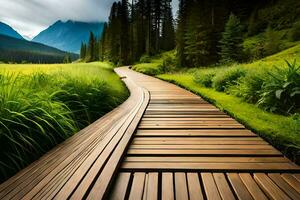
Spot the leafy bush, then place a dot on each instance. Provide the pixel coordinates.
(151, 69)
(281, 90)
(204, 78)
(145, 59)
(294, 34)
(272, 42)
(169, 63)
(223, 80)
(249, 87)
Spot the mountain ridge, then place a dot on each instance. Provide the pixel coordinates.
(19, 50)
(7, 30)
(69, 35)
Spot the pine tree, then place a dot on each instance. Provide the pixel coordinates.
(168, 30)
(67, 59)
(231, 42)
(91, 48)
(83, 51)
(181, 21)
(124, 34)
(103, 43)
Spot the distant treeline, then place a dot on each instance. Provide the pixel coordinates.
(207, 31)
(135, 28)
(22, 51)
(34, 57)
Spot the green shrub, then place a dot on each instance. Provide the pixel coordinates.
(145, 59)
(249, 87)
(272, 42)
(294, 34)
(151, 69)
(281, 90)
(204, 78)
(224, 79)
(169, 64)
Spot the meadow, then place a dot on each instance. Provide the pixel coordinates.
(264, 95)
(42, 105)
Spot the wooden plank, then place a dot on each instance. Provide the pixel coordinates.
(120, 187)
(269, 187)
(252, 187)
(194, 187)
(240, 189)
(188, 159)
(210, 187)
(103, 181)
(181, 191)
(181, 116)
(297, 176)
(221, 138)
(292, 181)
(287, 188)
(200, 147)
(137, 188)
(236, 152)
(167, 191)
(223, 186)
(151, 190)
(190, 132)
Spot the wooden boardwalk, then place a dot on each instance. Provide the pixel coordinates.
(162, 143)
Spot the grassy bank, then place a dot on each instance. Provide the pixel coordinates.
(42, 105)
(263, 95)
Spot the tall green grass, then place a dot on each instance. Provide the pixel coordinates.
(42, 105)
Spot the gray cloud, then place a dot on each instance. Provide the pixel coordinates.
(29, 17)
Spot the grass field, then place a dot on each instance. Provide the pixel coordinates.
(42, 105)
(263, 95)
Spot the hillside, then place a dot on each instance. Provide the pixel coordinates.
(18, 50)
(7, 30)
(69, 35)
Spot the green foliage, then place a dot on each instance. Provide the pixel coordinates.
(272, 42)
(83, 51)
(151, 69)
(294, 34)
(196, 46)
(281, 90)
(254, 47)
(249, 87)
(42, 105)
(160, 64)
(169, 63)
(145, 59)
(231, 42)
(278, 14)
(204, 78)
(222, 81)
(67, 59)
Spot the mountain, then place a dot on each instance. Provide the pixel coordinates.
(9, 31)
(20, 50)
(69, 35)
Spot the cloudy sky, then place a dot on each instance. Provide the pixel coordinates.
(29, 17)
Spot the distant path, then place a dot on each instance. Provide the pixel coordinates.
(162, 142)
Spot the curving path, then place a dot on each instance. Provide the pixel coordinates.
(162, 143)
